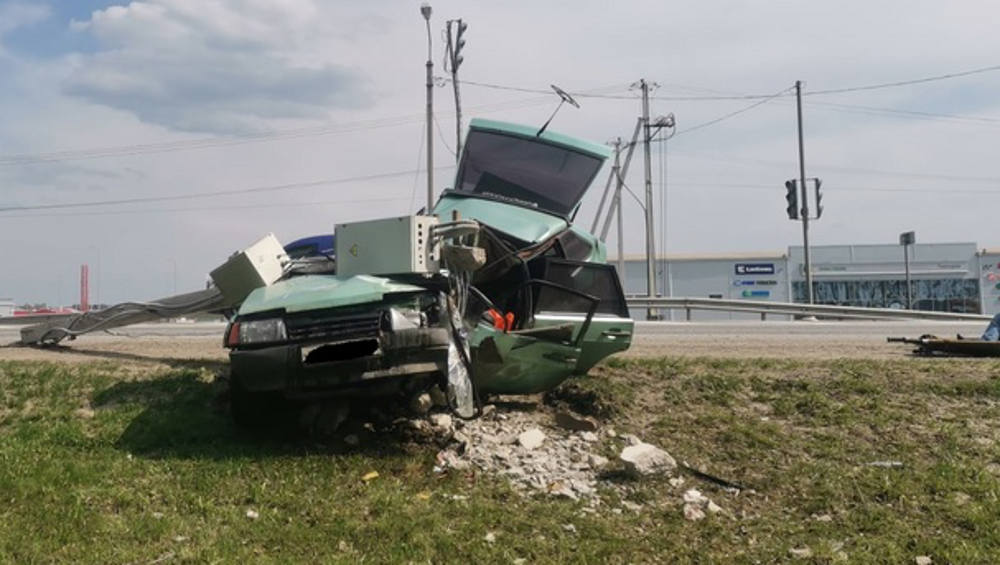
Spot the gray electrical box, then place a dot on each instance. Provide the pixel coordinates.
(259, 265)
(386, 247)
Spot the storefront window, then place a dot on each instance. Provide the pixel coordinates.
(940, 295)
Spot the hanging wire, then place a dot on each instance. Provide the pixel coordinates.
(416, 176)
(441, 136)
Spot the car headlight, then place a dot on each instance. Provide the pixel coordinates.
(262, 331)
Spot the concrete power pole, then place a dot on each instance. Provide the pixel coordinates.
(425, 11)
(803, 195)
(648, 170)
(616, 171)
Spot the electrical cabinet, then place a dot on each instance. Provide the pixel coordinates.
(387, 246)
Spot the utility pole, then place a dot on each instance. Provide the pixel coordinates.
(455, 59)
(616, 171)
(425, 11)
(805, 202)
(616, 202)
(907, 239)
(648, 170)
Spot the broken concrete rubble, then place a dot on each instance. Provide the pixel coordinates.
(644, 459)
(421, 403)
(535, 455)
(693, 512)
(441, 422)
(531, 439)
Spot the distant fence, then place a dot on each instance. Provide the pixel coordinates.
(796, 309)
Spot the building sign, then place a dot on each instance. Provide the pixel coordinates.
(762, 282)
(756, 293)
(754, 268)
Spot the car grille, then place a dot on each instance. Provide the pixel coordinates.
(332, 326)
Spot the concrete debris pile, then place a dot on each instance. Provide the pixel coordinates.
(532, 455)
(539, 453)
(696, 504)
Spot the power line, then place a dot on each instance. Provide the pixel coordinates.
(836, 188)
(213, 142)
(875, 110)
(279, 187)
(846, 169)
(904, 82)
(350, 127)
(735, 113)
(676, 184)
(586, 94)
(747, 96)
(441, 136)
(206, 208)
(204, 143)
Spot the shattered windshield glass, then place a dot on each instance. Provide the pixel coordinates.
(525, 171)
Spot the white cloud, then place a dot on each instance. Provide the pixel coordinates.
(215, 66)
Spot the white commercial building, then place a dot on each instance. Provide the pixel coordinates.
(945, 277)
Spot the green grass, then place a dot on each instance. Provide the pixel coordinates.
(109, 463)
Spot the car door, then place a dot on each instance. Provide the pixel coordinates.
(610, 329)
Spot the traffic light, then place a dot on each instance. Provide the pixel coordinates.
(458, 44)
(792, 197)
(819, 198)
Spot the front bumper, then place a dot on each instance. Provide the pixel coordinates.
(285, 368)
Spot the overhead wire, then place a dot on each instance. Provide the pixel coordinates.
(734, 113)
(212, 142)
(894, 84)
(877, 86)
(916, 114)
(420, 160)
(846, 169)
(278, 135)
(441, 136)
(191, 196)
(206, 208)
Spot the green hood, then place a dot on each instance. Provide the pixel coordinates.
(522, 223)
(314, 292)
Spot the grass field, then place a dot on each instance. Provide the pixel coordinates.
(114, 463)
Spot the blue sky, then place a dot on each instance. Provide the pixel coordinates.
(52, 36)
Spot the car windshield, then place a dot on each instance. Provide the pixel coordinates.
(524, 171)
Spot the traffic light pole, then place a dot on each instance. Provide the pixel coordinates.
(805, 203)
(454, 51)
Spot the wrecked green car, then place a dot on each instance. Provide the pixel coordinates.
(494, 291)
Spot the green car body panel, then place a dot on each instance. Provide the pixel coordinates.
(522, 223)
(315, 292)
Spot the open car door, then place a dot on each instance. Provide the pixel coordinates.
(532, 357)
(610, 329)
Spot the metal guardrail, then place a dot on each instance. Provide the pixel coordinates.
(795, 309)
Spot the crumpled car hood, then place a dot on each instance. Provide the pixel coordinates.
(522, 223)
(312, 292)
